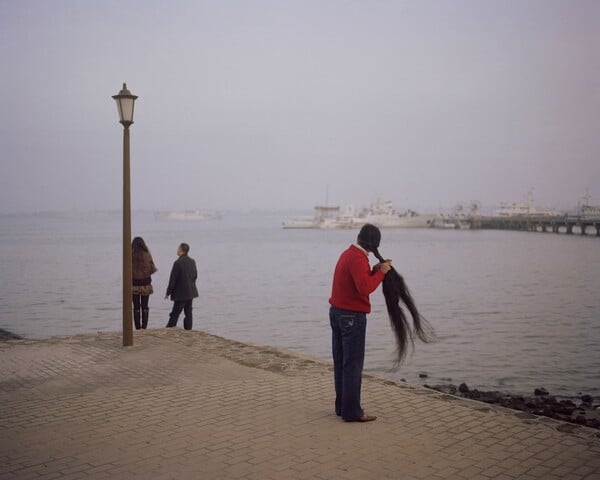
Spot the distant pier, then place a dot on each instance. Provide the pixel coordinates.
(567, 224)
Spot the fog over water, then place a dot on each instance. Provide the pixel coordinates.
(269, 104)
(513, 310)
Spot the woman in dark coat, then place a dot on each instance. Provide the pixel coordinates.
(142, 270)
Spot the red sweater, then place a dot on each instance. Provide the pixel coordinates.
(353, 281)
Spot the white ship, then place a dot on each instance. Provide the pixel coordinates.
(324, 218)
(523, 209)
(443, 222)
(379, 214)
(461, 217)
(339, 222)
(301, 222)
(587, 211)
(383, 215)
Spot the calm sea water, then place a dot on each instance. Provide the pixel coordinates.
(513, 311)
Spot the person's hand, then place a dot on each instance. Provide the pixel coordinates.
(386, 266)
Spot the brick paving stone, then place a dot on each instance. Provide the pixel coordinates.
(586, 471)
(190, 405)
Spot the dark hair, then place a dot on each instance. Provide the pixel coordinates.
(396, 292)
(185, 248)
(369, 237)
(138, 244)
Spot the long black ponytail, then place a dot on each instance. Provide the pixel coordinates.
(395, 291)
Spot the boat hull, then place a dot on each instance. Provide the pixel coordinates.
(397, 221)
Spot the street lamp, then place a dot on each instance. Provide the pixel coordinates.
(125, 101)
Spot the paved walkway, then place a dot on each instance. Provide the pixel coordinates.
(187, 405)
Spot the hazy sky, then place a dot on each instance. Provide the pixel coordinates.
(267, 104)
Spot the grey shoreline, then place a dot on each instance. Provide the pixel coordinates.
(274, 359)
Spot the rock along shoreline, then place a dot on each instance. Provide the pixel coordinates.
(6, 335)
(541, 403)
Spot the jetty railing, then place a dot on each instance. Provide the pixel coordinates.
(568, 224)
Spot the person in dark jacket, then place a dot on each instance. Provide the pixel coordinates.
(182, 287)
(142, 269)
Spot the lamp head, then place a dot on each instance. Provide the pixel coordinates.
(125, 102)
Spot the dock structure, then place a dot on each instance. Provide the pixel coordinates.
(568, 224)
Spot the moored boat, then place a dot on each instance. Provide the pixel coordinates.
(515, 209)
(587, 211)
(383, 215)
(301, 222)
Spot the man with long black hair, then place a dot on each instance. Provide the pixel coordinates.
(353, 282)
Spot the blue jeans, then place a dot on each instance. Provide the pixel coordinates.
(348, 346)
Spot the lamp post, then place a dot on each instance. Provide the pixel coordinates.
(125, 101)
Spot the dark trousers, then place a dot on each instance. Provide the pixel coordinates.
(140, 311)
(178, 306)
(140, 301)
(348, 347)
